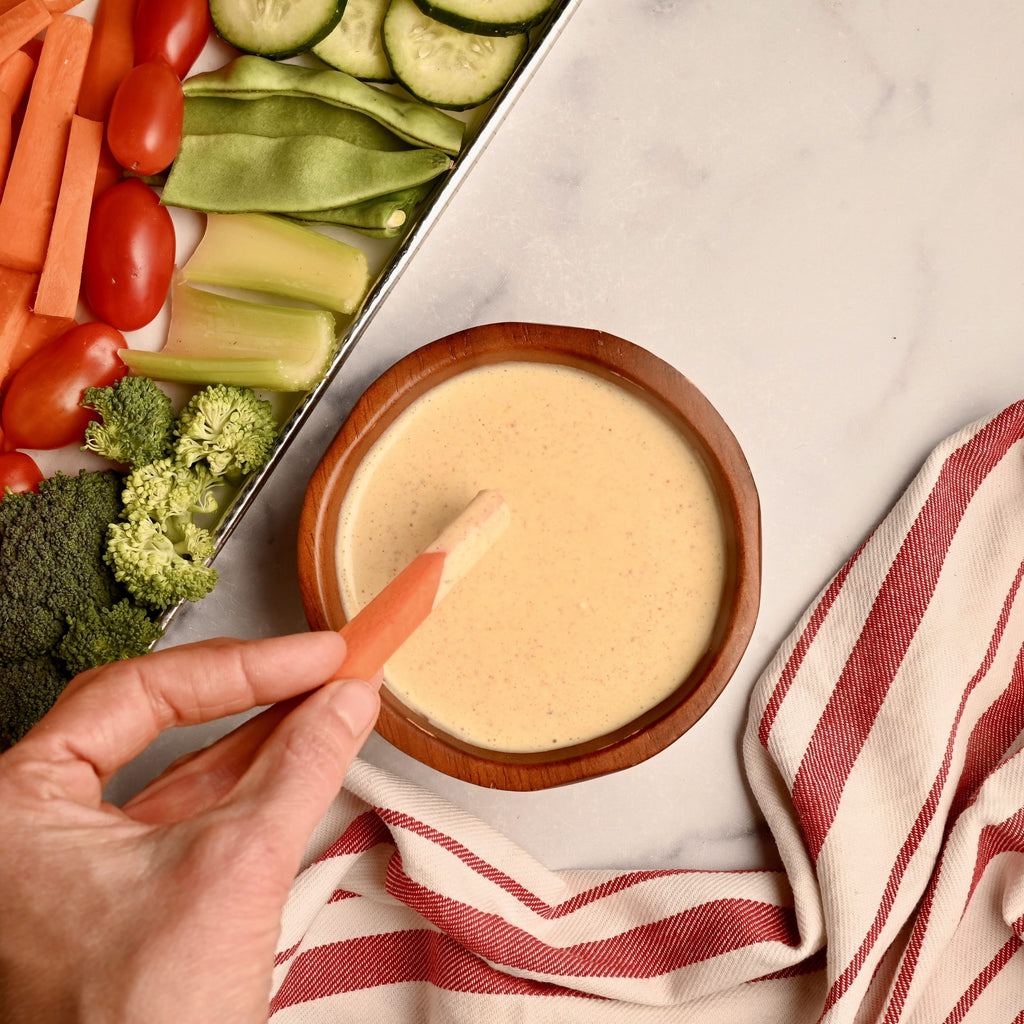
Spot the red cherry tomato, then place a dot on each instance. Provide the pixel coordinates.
(144, 126)
(42, 407)
(129, 255)
(174, 30)
(18, 472)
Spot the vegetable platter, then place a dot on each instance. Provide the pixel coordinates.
(209, 199)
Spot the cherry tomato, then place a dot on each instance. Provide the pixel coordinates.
(175, 30)
(18, 472)
(42, 407)
(144, 126)
(129, 255)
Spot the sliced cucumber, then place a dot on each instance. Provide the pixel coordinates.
(354, 44)
(275, 28)
(488, 17)
(445, 66)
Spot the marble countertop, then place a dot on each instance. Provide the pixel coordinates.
(813, 210)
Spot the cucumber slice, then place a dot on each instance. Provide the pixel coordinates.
(274, 28)
(444, 66)
(354, 44)
(488, 17)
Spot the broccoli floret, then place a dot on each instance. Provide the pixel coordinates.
(230, 428)
(98, 636)
(53, 570)
(157, 570)
(28, 689)
(136, 422)
(170, 493)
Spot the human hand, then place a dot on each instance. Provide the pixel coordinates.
(168, 909)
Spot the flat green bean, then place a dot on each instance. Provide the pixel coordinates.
(234, 173)
(276, 116)
(251, 77)
(382, 217)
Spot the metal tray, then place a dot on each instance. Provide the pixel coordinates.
(479, 134)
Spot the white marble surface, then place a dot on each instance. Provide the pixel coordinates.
(813, 209)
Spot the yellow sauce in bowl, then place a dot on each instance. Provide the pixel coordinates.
(603, 593)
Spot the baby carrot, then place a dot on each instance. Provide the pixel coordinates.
(111, 56)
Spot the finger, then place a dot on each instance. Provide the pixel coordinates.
(197, 781)
(301, 766)
(122, 708)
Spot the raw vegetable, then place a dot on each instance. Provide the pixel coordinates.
(135, 421)
(220, 339)
(144, 126)
(16, 290)
(354, 45)
(19, 24)
(247, 78)
(160, 549)
(18, 473)
(229, 429)
(61, 279)
(380, 217)
(98, 635)
(445, 66)
(129, 255)
(30, 195)
(110, 58)
(276, 116)
(261, 253)
(42, 405)
(173, 31)
(52, 567)
(274, 29)
(235, 173)
(488, 17)
(15, 75)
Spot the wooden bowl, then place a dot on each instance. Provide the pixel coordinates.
(640, 372)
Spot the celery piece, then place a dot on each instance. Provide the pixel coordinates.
(264, 253)
(218, 339)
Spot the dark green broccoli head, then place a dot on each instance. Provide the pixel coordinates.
(98, 636)
(52, 547)
(136, 423)
(28, 688)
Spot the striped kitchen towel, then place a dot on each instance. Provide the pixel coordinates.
(884, 747)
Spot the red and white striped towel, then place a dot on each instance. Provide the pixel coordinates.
(883, 745)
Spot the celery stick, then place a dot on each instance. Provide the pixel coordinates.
(263, 253)
(218, 339)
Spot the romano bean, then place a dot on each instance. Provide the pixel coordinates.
(383, 217)
(276, 116)
(232, 173)
(249, 77)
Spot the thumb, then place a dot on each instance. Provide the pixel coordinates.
(301, 766)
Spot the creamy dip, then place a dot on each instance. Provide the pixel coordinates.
(602, 594)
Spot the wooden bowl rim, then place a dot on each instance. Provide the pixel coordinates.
(641, 372)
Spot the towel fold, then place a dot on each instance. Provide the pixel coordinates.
(883, 746)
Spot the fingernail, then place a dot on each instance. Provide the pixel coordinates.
(355, 703)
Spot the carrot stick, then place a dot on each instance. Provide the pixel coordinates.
(16, 74)
(53, 6)
(61, 279)
(20, 24)
(16, 290)
(37, 331)
(30, 197)
(111, 57)
(382, 626)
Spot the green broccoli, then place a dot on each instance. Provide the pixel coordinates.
(170, 493)
(157, 570)
(53, 571)
(136, 422)
(98, 636)
(28, 689)
(229, 428)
